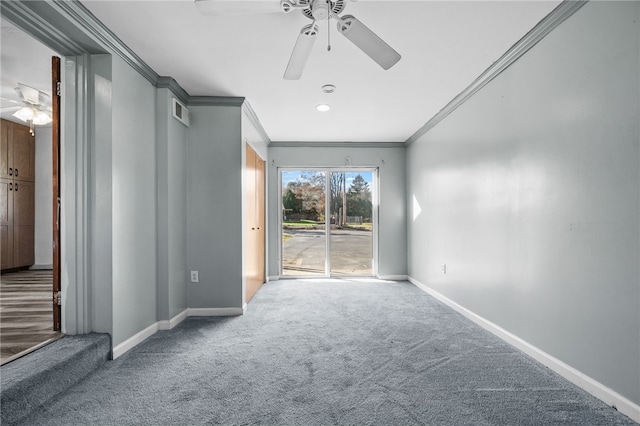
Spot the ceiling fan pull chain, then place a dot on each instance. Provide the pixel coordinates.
(329, 27)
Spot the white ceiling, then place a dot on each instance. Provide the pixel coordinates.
(444, 45)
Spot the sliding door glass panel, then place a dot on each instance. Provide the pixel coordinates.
(351, 218)
(304, 238)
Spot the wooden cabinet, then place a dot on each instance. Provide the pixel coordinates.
(17, 196)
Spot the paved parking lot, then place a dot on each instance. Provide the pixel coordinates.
(351, 252)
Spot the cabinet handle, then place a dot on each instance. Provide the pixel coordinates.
(11, 187)
(10, 171)
(16, 172)
(16, 186)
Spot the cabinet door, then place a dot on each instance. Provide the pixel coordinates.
(250, 194)
(23, 153)
(23, 223)
(6, 223)
(254, 240)
(5, 149)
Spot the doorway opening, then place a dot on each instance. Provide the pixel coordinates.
(29, 222)
(328, 222)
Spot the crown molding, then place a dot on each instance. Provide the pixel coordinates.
(345, 144)
(92, 26)
(253, 118)
(231, 101)
(70, 29)
(38, 19)
(173, 86)
(544, 27)
(215, 101)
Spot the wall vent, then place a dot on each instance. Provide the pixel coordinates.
(180, 112)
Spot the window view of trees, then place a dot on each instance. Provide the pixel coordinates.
(359, 198)
(303, 198)
(350, 197)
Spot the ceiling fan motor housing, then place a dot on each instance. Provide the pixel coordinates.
(319, 10)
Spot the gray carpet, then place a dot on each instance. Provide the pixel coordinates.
(31, 380)
(322, 353)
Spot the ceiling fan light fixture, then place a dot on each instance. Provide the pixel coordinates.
(25, 114)
(323, 107)
(42, 118)
(367, 41)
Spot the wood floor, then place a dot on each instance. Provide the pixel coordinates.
(26, 314)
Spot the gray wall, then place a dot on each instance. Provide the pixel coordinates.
(392, 247)
(214, 206)
(171, 140)
(529, 193)
(97, 181)
(134, 202)
(44, 198)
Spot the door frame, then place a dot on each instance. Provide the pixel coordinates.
(56, 83)
(375, 200)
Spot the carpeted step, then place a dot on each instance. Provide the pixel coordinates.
(30, 381)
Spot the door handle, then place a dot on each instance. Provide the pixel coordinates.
(10, 171)
(10, 186)
(16, 172)
(16, 186)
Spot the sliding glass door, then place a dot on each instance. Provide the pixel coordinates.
(351, 231)
(327, 222)
(303, 222)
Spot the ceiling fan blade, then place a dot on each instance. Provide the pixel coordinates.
(238, 7)
(13, 101)
(301, 52)
(367, 41)
(9, 109)
(33, 96)
(28, 93)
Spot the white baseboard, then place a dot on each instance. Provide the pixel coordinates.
(595, 388)
(141, 336)
(215, 312)
(169, 324)
(273, 278)
(393, 277)
(40, 267)
(134, 340)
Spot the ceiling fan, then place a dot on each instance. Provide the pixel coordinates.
(35, 108)
(316, 10)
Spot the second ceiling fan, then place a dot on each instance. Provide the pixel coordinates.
(316, 10)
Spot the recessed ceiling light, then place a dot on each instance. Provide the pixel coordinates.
(328, 88)
(323, 107)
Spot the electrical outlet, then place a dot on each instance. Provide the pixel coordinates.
(194, 276)
(444, 268)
